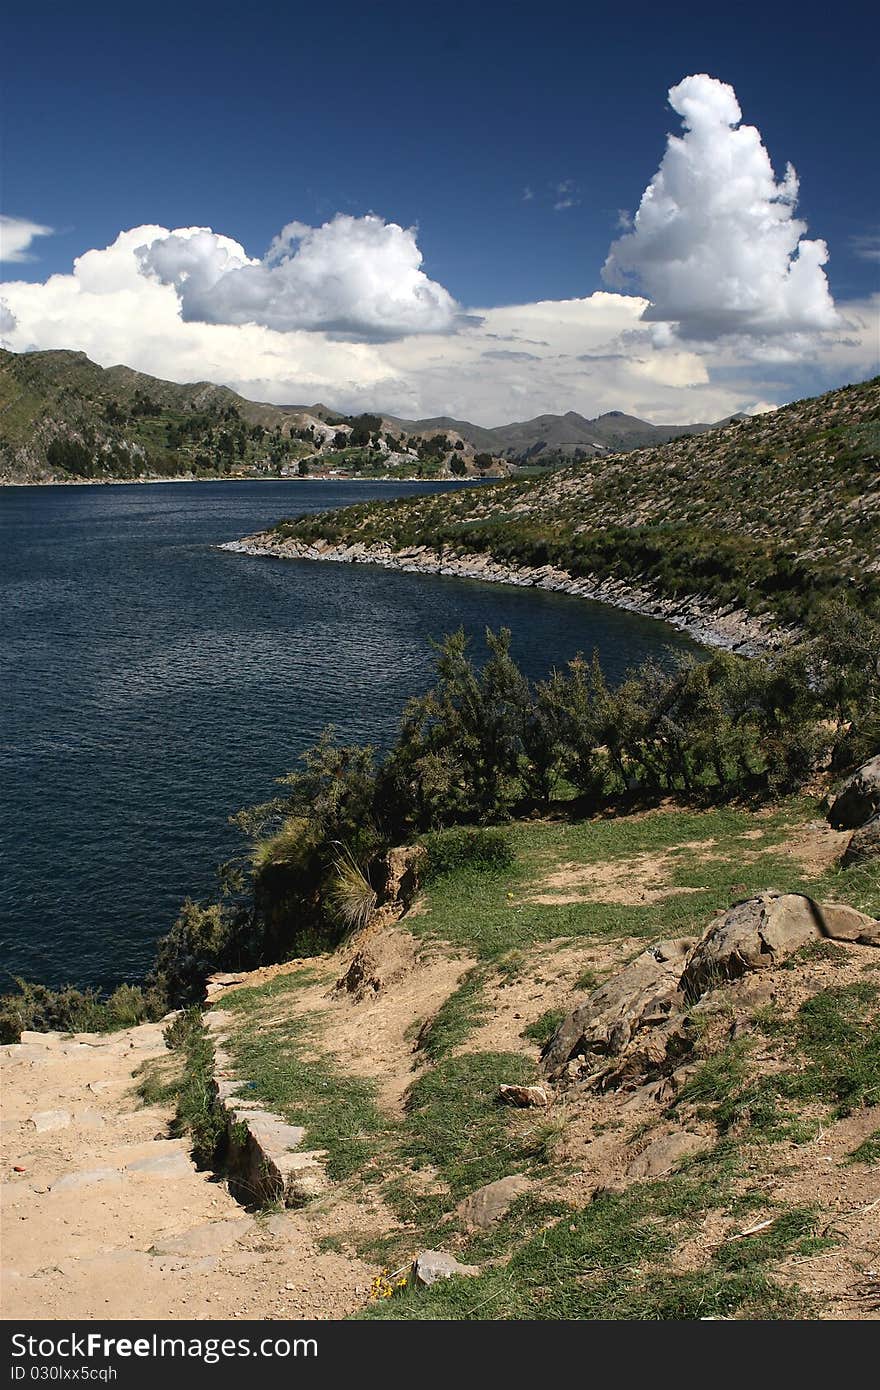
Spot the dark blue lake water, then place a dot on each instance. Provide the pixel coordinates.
(152, 685)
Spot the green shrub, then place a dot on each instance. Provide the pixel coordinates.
(36, 1008)
(449, 850)
(352, 896)
(196, 946)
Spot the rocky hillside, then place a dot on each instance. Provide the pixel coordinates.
(774, 513)
(616, 1078)
(63, 417)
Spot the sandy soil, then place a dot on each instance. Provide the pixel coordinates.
(647, 878)
(86, 1235)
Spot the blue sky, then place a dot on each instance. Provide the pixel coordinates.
(511, 136)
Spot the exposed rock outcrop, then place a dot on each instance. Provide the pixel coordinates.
(665, 1153)
(859, 797)
(642, 995)
(433, 1265)
(401, 875)
(763, 931)
(489, 1204)
(638, 1024)
(864, 845)
(524, 1096)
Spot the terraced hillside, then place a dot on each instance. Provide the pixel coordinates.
(775, 513)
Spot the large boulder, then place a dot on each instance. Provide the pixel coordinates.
(859, 797)
(643, 995)
(665, 1153)
(489, 1204)
(864, 844)
(431, 1266)
(763, 931)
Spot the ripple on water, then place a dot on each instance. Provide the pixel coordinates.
(153, 685)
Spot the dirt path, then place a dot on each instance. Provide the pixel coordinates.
(109, 1218)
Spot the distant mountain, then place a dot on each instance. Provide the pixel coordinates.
(62, 416)
(566, 435)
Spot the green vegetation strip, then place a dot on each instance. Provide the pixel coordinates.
(611, 1260)
(280, 1069)
(187, 1078)
(718, 856)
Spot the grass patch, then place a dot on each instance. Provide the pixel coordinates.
(610, 1261)
(459, 1015)
(254, 998)
(825, 951)
(834, 1039)
(859, 885)
(493, 913)
(338, 1112)
(794, 1232)
(838, 1030)
(527, 1216)
(587, 981)
(868, 1151)
(159, 1081)
(543, 1028)
(727, 1090)
(486, 851)
(454, 1121)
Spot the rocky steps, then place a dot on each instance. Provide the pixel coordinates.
(106, 1216)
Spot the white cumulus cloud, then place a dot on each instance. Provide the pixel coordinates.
(357, 277)
(501, 363)
(715, 244)
(16, 235)
(8, 321)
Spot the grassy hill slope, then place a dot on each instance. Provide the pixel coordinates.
(769, 1207)
(64, 417)
(775, 512)
(122, 423)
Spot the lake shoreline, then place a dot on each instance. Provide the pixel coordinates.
(729, 629)
(182, 478)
